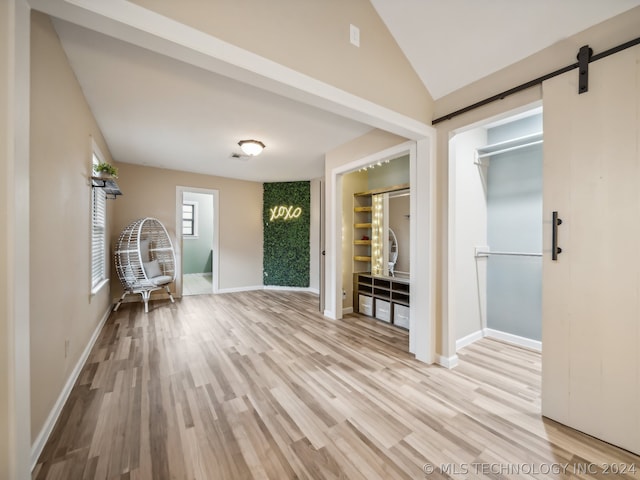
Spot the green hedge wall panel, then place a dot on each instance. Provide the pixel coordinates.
(286, 219)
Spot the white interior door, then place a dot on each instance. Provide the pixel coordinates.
(591, 294)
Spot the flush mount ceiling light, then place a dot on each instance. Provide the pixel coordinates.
(251, 147)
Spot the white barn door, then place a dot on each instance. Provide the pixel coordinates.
(591, 294)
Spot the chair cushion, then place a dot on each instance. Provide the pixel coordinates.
(152, 269)
(161, 280)
(144, 250)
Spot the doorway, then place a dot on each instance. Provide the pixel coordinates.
(196, 222)
(422, 334)
(495, 176)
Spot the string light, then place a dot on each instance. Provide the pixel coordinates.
(372, 166)
(376, 235)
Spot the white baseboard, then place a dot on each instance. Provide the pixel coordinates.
(513, 339)
(346, 311)
(292, 289)
(268, 287)
(240, 289)
(469, 339)
(447, 362)
(498, 335)
(47, 428)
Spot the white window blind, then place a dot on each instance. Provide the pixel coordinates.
(98, 234)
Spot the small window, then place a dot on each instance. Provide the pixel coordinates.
(98, 234)
(190, 219)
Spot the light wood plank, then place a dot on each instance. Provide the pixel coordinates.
(259, 385)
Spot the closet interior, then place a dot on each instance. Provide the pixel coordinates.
(497, 223)
(376, 241)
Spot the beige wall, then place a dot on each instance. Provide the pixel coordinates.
(312, 37)
(62, 308)
(151, 192)
(600, 37)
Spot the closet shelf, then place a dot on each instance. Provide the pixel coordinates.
(362, 242)
(362, 225)
(361, 258)
(509, 145)
(362, 209)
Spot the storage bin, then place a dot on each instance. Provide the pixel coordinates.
(401, 315)
(383, 310)
(365, 306)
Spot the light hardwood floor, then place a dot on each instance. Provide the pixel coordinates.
(259, 385)
(196, 284)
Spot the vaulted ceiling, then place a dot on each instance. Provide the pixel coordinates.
(158, 111)
(456, 42)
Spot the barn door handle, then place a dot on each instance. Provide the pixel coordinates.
(555, 249)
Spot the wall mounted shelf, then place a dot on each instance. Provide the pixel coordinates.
(111, 188)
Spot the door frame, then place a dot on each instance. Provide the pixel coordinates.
(215, 248)
(322, 246)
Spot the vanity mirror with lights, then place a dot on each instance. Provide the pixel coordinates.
(381, 252)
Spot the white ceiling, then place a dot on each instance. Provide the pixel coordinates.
(453, 43)
(158, 111)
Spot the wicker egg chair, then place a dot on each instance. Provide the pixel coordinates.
(145, 260)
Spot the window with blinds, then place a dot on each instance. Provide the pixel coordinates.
(98, 234)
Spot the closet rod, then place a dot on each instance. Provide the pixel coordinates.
(513, 141)
(509, 254)
(536, 81)
(510, 149)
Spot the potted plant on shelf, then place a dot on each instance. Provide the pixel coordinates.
(105, 170)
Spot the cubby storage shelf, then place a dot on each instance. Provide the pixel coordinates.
(393, 294)
(362, 242)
